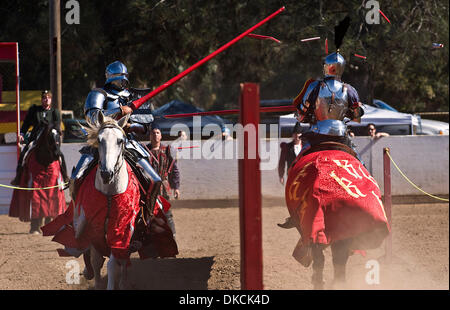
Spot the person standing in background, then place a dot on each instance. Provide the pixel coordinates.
(165, 165)
(289, 152)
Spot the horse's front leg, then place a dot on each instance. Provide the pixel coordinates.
(340, 251)
(318, 264)
(124, 285)
(114, 272)
(97, 261)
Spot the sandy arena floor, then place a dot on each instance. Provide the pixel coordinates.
(208, 240)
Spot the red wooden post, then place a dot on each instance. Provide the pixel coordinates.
(250, 195)
(387, 201)
(17, 101)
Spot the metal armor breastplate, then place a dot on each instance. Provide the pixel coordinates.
(115, 100)
(332, 100)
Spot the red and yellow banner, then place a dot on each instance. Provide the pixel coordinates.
(8, 114)
(333, 197)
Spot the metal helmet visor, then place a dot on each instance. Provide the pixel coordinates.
(334, 65)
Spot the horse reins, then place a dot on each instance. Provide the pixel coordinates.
(117, 167)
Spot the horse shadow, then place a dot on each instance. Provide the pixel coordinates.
(170, 273)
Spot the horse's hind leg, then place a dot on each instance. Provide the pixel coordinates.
(318, 264)
(340, 251)
(88, 271)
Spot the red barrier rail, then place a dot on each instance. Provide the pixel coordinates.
(285, 108)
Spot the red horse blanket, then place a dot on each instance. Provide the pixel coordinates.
(34, 204)
(332, 197)
(115, 238)
(93, 204)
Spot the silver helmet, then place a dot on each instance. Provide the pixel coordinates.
(334, 65)
(117, 74)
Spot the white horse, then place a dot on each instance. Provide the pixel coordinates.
(111, 179)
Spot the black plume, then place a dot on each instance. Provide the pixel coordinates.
(340, 30)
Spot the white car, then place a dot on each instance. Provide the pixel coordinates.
(426, 126)
(432, 127)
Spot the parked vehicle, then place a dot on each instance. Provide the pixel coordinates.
(175, 124)
(426, 126)
(391, 122)
(432, 127)
(73, 132)
(394, 123)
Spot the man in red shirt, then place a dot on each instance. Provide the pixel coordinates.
(165, 165)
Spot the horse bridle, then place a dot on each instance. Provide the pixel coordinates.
(119, 163)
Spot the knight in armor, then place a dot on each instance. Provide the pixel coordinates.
(113, 100)
(326, 102)
(37, 117)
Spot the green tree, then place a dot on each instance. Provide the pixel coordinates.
(158, 39)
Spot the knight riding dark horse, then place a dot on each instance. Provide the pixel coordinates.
(37, 117)
(331, 197)
(44, 170)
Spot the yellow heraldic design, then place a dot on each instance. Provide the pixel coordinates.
(381, 204)
(353, 172)
(371, 178)
(342, 182)
(293, 189)
(304, 204)
(349, 168)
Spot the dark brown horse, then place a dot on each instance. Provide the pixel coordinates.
(48, 148)
(44, 166)
(333, 201)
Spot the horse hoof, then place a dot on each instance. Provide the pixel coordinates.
(125, 286)
(35, 232)
(88, 274)
(100, 285)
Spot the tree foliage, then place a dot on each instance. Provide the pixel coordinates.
(159, 39)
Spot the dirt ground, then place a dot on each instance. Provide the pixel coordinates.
(208, 240)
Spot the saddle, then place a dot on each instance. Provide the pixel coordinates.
(326, 146)
(331, 145)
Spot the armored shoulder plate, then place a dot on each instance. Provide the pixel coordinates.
(302, 103)
(95, 100)
(309, 90)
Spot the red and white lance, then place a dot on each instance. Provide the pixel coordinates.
(137, 103)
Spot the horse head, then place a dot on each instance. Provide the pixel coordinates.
(48, 144)
(108, 136)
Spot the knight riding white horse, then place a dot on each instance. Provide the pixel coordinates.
(112, 162)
